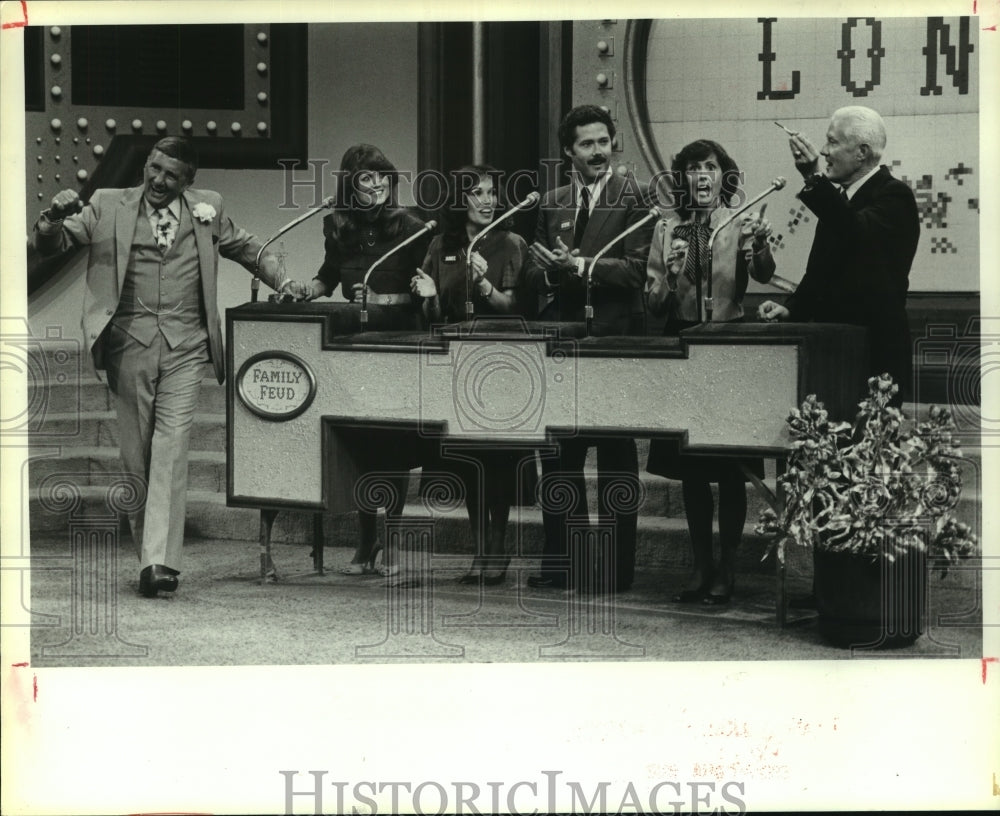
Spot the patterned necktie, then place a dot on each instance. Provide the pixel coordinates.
(696, 234)
(582, 217)
(166, 230)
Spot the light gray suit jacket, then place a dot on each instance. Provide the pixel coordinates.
(107, 225)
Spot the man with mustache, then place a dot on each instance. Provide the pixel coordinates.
(151, 320)
(574, 222)
(859, 266)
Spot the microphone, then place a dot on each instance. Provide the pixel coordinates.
(588, 311)
(430, 225)
(530, 200)
(777, 184)
(255, 283)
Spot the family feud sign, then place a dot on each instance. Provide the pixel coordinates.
(275, 385)
(307, 390)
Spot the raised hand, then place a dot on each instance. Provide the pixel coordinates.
(65, 202)
(756, 226)
(478, 265)
(805, 155)
(423, 284)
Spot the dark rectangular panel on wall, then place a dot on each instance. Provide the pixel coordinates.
(34, 69)
(513, 141)
(91, 145)
(444, 57)
(158, 66)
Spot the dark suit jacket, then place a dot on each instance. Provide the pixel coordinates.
(619, 276)
(107, 225)
(859, 266)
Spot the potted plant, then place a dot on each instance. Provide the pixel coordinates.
(874, 501)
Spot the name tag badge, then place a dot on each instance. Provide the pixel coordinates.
(565, 225)
(450, 258)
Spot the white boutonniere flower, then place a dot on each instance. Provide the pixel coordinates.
(203, 212)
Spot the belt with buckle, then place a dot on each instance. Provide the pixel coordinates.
(395, 299)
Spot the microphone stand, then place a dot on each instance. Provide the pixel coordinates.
(777, 184)
(364, 281)
(255, 283)
(588, 310)
(529, 200)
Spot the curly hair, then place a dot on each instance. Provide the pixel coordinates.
(581, 116)
(698, 151)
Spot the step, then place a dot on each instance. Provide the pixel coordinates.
(207, 472)
(661, 541)
(90, 394)
(91, 466)
(207, 517)
(100, 428)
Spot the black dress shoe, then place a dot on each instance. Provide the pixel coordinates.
(545, 582)
(711, 599)
(155, 578)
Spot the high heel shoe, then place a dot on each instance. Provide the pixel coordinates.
(378, 565)
(696, 595)
(366, 567)
(496, 575)
(719, 599)
(474, 574)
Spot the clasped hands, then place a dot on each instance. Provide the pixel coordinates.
(423, 284)
(559, 260)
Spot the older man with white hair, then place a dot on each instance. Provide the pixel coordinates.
(859, 266)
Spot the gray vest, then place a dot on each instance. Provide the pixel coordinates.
(162, 290)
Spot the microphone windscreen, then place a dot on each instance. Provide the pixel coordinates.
(778, 183)
(432, 224)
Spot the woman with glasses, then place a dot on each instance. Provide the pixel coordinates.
(367, 222)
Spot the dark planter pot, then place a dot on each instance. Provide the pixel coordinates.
(870, 603)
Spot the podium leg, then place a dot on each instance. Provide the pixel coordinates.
(318, 543)
(268, 574)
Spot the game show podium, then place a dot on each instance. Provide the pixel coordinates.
(303, 380)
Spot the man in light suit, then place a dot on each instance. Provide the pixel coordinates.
(575, 221)
(151, 320)
(859, 265)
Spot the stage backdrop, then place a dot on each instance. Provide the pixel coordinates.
(669, 82)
